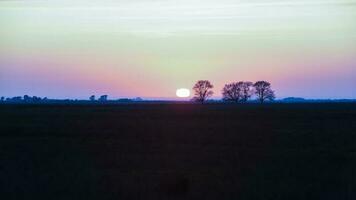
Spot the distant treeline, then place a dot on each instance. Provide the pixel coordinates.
(237, 92)
(244, 91)
(38, 100)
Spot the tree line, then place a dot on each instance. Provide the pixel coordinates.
(92, 100)
(238, 92)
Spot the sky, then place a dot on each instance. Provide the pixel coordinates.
(150, 48)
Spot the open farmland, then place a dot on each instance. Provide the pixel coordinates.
(178, 151)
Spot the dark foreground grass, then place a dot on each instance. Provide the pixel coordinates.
(171, 151)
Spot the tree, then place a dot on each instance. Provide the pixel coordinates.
(237, 91)
(232, 92)
(202, 91)
(36, 99)
(246, 91)
(92, 98)
(103, 98)
(263, 91)
(2, 98)
(27, 98)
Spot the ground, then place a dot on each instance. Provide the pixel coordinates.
(178, 151)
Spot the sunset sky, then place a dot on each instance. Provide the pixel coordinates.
(146, 48)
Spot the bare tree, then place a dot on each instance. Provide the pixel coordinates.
(263, 91)
(202, 91)
(232, 92)
(246, 91)
(237, 91)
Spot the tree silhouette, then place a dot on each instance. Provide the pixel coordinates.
(237, 91)
(202, 91)
(103, 98)
(232, 92)
(36, 99)
(246, 91)
(92, 98)
(263, 91)
(27, 98)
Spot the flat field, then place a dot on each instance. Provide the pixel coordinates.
(178, 151)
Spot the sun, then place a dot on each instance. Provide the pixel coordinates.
(183, 92)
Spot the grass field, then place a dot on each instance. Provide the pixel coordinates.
(178, 151)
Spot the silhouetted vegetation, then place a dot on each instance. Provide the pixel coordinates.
(14, 99)
(38, 100)
(202, 91)
(237, 91)
(33, 99)
(138, 99)
(246, 90)
(263, 91)
(242, 91)
(294, 99)
(231, 92)
(92, 98)
(103, 98)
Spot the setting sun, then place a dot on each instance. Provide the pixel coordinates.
(183, 92)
